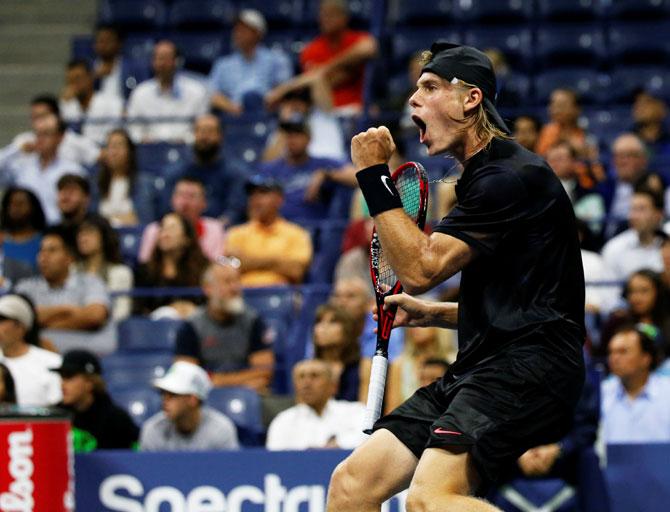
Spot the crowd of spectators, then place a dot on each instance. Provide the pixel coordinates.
(215, 221)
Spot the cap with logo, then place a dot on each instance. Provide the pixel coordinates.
(79, 362)
(185, 379)
(17, 308)
(457, 62)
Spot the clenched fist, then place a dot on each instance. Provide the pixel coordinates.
(372, 147)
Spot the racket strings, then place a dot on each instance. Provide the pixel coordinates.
(408, 185)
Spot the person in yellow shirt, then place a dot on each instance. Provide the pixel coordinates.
(272, 250)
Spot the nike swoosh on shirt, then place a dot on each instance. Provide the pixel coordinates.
(384, 181)
(439, 430)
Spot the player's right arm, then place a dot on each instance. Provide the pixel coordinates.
(414, 312)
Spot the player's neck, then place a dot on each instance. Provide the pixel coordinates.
(470, 146)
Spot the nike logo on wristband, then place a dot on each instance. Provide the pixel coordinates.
(384, 181)
(440, 430)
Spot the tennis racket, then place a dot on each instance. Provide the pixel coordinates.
(412, 184)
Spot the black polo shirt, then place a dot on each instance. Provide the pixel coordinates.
(524, 290)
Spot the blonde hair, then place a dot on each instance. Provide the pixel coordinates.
(484, 127)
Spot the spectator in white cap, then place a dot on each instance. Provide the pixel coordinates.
(251, 71)
(185, 424)
(28, 364)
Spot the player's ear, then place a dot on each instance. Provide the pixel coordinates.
(472, 98)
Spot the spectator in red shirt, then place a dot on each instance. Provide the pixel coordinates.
(338, 55)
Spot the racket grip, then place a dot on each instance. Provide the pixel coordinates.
(375, 391)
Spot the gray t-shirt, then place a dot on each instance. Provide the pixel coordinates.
(223, 347)
(80, 289)
(215, 432)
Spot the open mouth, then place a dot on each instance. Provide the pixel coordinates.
(421, 125)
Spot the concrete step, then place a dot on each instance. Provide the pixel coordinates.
(35, 43)
(36, 11)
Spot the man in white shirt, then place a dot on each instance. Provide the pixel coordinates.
(639, 246)
(40, 170)
(317, 421)
(97, 113)
(163, 108)
(185, 424)
(74, 147)
(30, 366)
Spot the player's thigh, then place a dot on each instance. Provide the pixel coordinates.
(380, 468)
(442, 472)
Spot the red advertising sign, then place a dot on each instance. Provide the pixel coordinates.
(36, 465)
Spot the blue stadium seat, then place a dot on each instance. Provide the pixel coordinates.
(635, 42)
(133, 14)
(592, 86)
(567, 10)
(81, 47)
(243, 406)
(493, 11)
(514, 89)
(635, 9)
(514, 42)
(570, 45)
(402, 12)
(278, 13)
(359, 13)
(290, 42)
(245, 138)
(140, 48)
(205, 15)
(129, 243)
(606, 123)
(138, 369)
(628, 80)
(199, 50)
(139, 403)
(407, 41)
(156, 158)
(327, 243)
(138, 334)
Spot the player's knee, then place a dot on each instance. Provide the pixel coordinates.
(421, 498)
(346, 491)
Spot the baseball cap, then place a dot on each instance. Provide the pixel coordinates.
(16, 308)
(77, 362)
(263, 183)
(458, 62)
(185, 379)
(254, 19)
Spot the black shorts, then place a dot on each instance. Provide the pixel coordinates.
(496, 412)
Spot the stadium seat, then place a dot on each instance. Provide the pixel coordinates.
(492, 11)
(278, 13)
(629, 80)
(129, 243)
(593, 87)
(514, 89)
(133, 376)
(137, 334)
(569, 45)
(158, 361)
(634, 42)
(245, 138)
(407, 41)
(139, 403)
(133, 14)
(199, 50)
(607, 123)
(327, 243)
(567, 10)
(205, 15)
(81, 47)
(243, 406)
(155, 158)
(514, 42)
(140, 48)
(635, 9)
(402, 12)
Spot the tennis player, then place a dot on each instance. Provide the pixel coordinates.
(512, 233)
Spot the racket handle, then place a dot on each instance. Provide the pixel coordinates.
(375, 391)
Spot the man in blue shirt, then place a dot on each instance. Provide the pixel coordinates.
(252, 69)
(222, 179)
(309, 182)
(634, 402)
